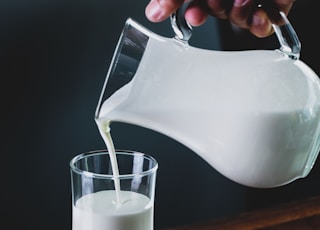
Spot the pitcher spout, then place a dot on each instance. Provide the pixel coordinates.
(127, 56)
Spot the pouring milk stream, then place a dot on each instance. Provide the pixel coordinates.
(252, 115)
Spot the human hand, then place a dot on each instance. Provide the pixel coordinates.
(246, 14)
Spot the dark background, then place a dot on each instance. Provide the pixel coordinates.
(54, 55)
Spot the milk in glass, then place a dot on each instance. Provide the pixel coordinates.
(98, 211)
(112, 209)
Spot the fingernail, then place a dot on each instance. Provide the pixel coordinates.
(256, 20)
(154, 12)
(239, 3)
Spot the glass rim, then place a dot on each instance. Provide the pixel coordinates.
(111, 176)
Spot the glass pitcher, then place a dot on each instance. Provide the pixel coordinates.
(252, 115)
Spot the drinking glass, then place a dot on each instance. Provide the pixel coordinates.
(98, 205)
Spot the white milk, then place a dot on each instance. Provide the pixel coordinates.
(104, 130)
(97, 211)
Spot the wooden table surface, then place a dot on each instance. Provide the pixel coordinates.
(303, 214)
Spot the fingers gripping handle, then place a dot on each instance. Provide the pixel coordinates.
(287, 37)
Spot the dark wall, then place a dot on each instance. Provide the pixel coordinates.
(54, 55)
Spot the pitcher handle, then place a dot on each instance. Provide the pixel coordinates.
(287, 37)
(180, 26)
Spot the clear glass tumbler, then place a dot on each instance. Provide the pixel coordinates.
(98, 205)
